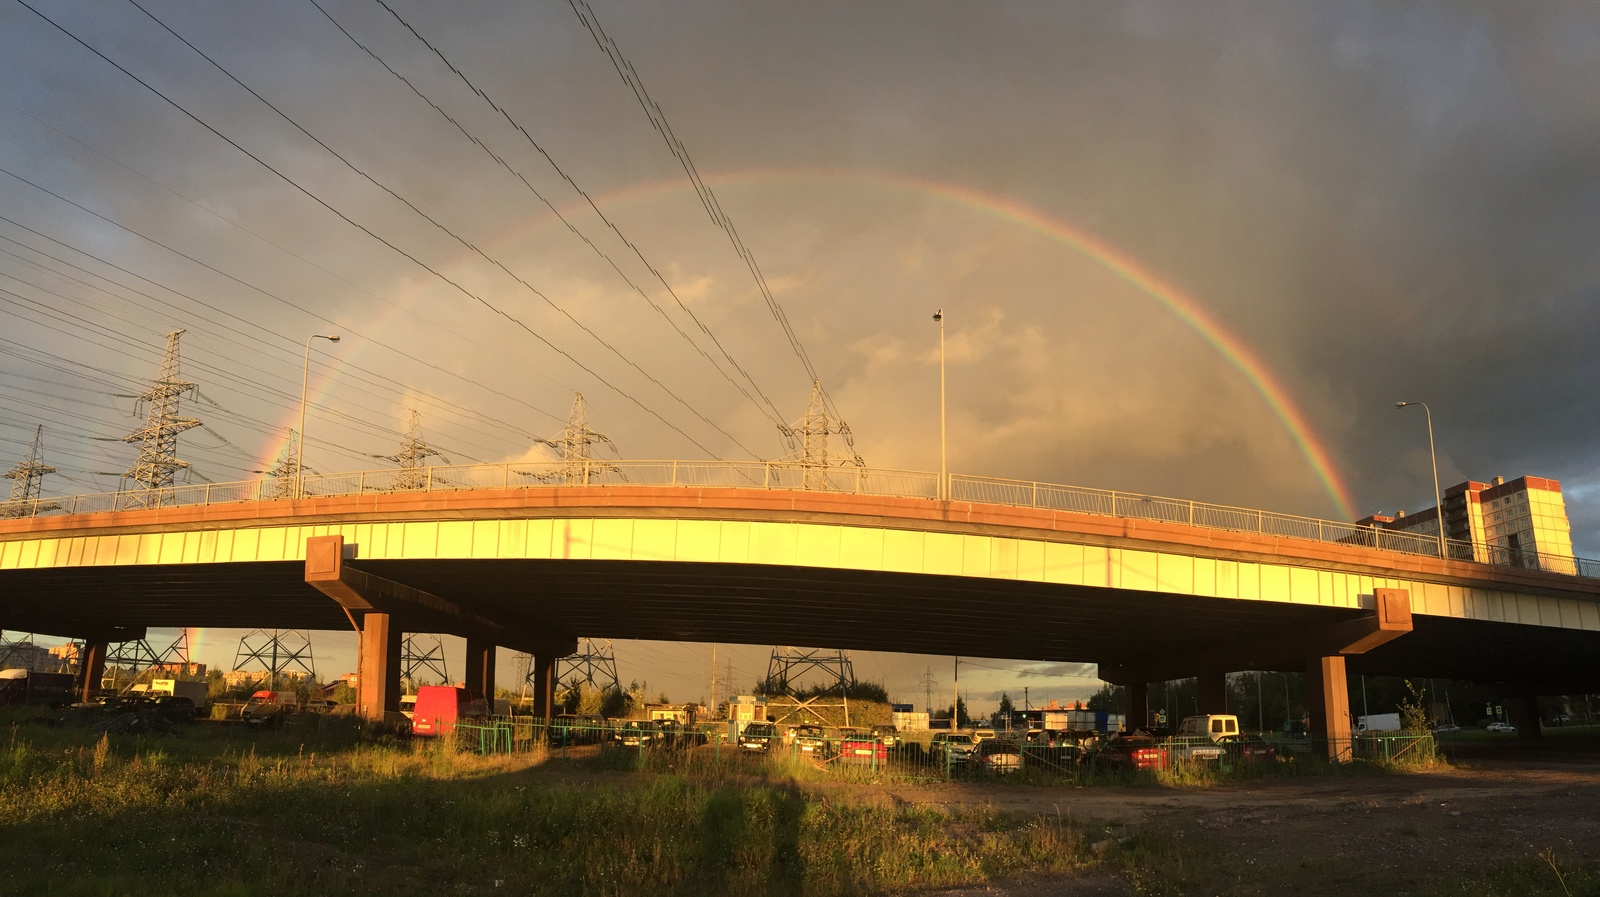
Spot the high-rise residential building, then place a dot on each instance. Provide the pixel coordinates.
(1521, 523)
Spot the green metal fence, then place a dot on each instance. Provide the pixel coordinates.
(1078, 758)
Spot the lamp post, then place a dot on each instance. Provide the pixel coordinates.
(1438, 504)
(300, 450)
(944, 475)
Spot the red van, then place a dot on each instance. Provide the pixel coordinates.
(440, 706)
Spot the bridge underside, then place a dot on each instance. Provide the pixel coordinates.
(764, 605)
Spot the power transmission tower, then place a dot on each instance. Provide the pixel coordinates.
(423, 653)
(26, 482)
(276, 651)
(594, 663)
(524, 665)
(927, 687)
(788, 665)
(414, 451)
(575, 448)
(177, 653)
(131, 657)
(282, 476)
(16, 651)
(158, 439)
(808, 443)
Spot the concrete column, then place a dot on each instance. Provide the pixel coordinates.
(91, 668)
(1138, 705)
(1328, 698)
(1212, 691)
(380, 666)
(544, 686)
(1524, 711)
(480, 668)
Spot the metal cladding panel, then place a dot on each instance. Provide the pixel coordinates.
(1590, 616)
(772, 543)
(700, 541)
(1175, 573)
(1205, 577)
(246, 545)
(572, 539)
(541, 539)
(454, 539)
(816, 546)
(902, 551)
(1139, 570)
(486, 538)
(976, 556)
(942, 554)
(11, 555)
(513, 539)
(623, 540)
(1030, 560)
(861, 549)
(1064, 564)
(1227, 579)
(735, 547)
(1249, 581)
(1305, 586)
(1003, 558)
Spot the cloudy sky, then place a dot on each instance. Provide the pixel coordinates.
(1146, 222)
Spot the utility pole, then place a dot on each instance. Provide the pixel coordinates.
(713, 677)
(808, 443)
(944, 473)
(26, 481)
(955, 703)
(158, 461)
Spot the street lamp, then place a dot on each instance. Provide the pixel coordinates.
(300, 450)
(944, 476)
(1438, 504)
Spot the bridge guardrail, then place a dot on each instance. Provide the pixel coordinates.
(792, 476)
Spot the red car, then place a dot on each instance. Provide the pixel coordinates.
(863, 749)
(1134, 753)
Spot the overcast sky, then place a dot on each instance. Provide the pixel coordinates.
(1375, 201)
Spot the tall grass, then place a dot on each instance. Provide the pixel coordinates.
(333, 809)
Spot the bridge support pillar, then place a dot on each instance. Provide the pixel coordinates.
(91, 667)
(480, 668)
(1328, 697)
(1211, 690)
(380, 666)
(1525, 715)
(544, 686)
(1138, 705)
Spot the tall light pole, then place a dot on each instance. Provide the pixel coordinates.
(1438, 504)
(944, 474)
(300, 450)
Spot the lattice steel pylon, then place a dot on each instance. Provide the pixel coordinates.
(575, 446)
(789, 664)
(128, 658)
(158, 461)
(594, 663)
(27, 480)
(19, 650)
(414, 452)
(423, 652)
(808, 443)
(282, 475)
(277, 650)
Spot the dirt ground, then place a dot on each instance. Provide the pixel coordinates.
(1399, 833)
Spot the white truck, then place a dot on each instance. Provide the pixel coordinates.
(1199, 738)
(1378, 722)
(197, 692)
(1098, 721)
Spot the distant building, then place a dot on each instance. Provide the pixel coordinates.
(1521, 523)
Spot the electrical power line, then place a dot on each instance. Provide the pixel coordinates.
(364, 229)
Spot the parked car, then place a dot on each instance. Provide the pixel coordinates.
(176, 708)
(635, 733)
(1446, 729)
(889, 735)
(758, 737)
(1131, 753)
(408, 706)
(1239, 750)
(952, 747)
(811, 741)
(441, 707)
(997, 755)
(862, 749)
(1500, 727)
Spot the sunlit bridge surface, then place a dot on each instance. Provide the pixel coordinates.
(862, 481)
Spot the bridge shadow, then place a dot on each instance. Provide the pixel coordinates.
(726, 844)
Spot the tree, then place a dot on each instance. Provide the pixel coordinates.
(1005, 713)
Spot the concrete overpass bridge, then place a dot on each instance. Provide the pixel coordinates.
(532, 556)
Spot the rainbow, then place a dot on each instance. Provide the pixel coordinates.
(1182, 305)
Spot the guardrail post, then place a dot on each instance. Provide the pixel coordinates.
(1036, 494)
(1191, 513)
(427, 482)
(361, 482)
(674, 472)
(505, 470)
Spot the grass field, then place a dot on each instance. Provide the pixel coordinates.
(320, 810)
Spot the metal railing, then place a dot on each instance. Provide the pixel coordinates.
(790, 476)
